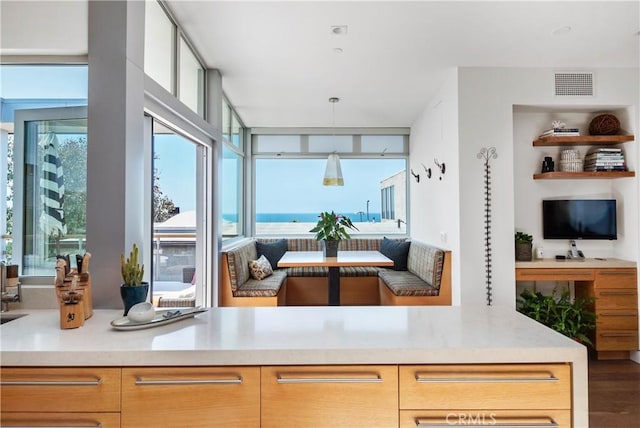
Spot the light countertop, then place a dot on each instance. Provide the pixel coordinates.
(291, 335)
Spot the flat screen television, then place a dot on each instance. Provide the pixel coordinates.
(579, 219)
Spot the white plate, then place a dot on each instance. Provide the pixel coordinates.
(161, 318)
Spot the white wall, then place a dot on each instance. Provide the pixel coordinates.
(435, 206)
(487, 97)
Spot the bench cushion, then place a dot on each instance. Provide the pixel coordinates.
(268, 287)
(238, 260)
(404, 283)
(426, 262)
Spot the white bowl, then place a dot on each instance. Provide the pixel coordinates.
(141, 312)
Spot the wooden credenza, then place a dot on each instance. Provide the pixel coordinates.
(276, 396)
(615, 292)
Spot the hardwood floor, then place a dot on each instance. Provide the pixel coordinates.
(614, 394)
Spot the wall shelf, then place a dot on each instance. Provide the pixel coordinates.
(560, 175)
(583, 140)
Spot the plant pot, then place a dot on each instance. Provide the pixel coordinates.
(523, 252)
(330, 248)
(132, 295)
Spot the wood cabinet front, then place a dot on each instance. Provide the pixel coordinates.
(191, 397)
(486, 386)
(481, 418)
(330, 396)
(54, 389)
(66, 420)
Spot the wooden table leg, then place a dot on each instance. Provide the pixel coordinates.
(334, 286)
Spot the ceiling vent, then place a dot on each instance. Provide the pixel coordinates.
(571, 84)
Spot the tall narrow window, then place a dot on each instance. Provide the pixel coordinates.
(159, 48)
(191, 88)
(232, 194)
(174, 218)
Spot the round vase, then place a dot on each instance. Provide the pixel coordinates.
(132, 295)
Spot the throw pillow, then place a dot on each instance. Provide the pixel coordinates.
(260, 269)
(397, 251)
(273, 251)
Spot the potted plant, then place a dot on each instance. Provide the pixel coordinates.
(331, 229)
(523, 247)
(133, 290)
(573, 319)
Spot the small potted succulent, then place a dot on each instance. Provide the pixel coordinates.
(331, 229)
(524, 244)
(133, 290)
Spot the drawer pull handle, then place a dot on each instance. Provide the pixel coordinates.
(53, 426)
(420, 379)
(94, 382)
(621, 334)
(419, 423)
(369, 378)
(141, 381)
(618, 293)
(618, 314)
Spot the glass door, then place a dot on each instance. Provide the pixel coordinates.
(50, 187)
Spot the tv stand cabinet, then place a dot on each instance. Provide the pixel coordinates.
(613, 283)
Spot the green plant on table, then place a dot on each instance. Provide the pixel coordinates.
(132, 271)
(332, 227)
(573, 319)
(523, 238)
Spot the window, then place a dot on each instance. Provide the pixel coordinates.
(232, 193)
(44, 177)
(175, 235)
(289, 195)
(191, 90)
(159, 46)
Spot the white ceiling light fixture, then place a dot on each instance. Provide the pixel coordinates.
(333, 171)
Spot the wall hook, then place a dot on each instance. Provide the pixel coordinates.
(441, 167)
(416, 176)
(427, 170)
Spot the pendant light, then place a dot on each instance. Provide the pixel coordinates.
(333, 171)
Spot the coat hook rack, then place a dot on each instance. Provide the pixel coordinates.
(441, 167)
(427, 170)
(416, 176)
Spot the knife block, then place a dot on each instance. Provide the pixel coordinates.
(71, 310)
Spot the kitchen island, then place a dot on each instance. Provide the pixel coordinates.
(387, 366)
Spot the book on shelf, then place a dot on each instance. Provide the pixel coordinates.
(606, 150)
(564, 132)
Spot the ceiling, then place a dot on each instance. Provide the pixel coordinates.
(279, 64)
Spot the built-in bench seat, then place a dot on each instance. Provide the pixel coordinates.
(426, 282)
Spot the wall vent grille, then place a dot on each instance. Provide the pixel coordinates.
(571, 84)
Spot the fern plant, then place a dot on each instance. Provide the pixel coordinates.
(573, 319)
(132, 271)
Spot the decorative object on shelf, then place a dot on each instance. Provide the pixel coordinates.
(416, 176)
(570, 161)
(333, 171)
(441, 167)
(133, 290)
(573, 319)
(604, 124)
(427, 170)
(547, 164)
(524, 247)
(487, 154)
(331, 229)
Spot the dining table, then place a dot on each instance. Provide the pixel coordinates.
(343, 259)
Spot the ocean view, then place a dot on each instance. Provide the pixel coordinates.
(301, 217)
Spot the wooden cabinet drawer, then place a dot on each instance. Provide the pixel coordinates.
(616, 298)
(550, 274)
(191, 397)
(60, 389)
(616, 278)
(617, 340)
(336, 396)
(617, 319)
(480, 418)
(486, 386)
(50, 420)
